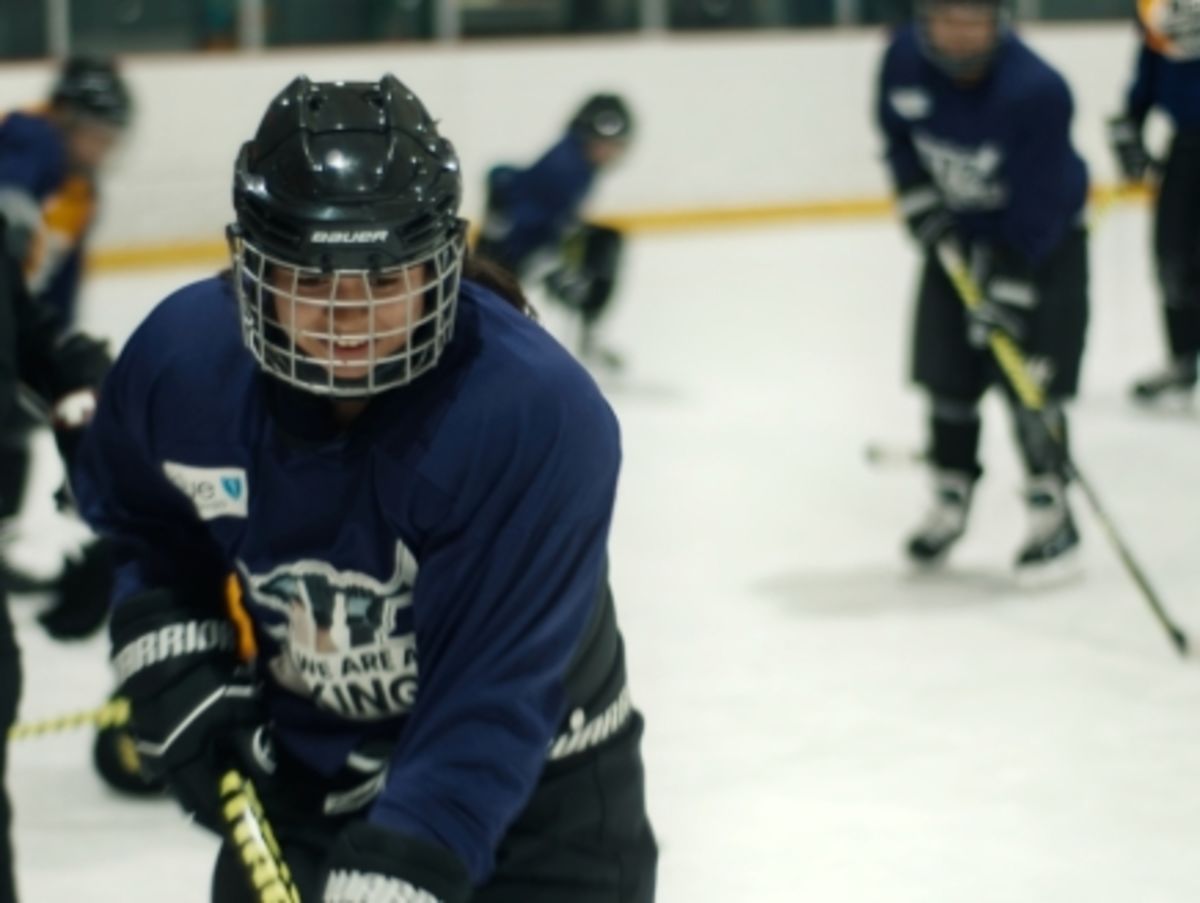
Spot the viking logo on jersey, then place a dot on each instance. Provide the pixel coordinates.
(968, 177)
(346, 638)
(1172, 27)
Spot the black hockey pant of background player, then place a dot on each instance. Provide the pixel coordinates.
(1177, 244)
(10, 662)
(957, 374)
(584, 837)
(10, 693)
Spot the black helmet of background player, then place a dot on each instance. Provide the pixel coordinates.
(604, 125)
(91, 103)
(961, 37)
(348, 245)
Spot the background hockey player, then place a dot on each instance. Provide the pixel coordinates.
(978, 146)
(1167, 76)
(61, 371)
(49, 164)
(413, 484)
(533, 227)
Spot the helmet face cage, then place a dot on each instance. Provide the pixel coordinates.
(348, 333)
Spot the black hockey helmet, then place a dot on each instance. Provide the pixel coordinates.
(347, 181)
(961, 65)
(603, 117)
(92, 87)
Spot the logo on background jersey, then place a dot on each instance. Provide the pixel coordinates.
(1172, 27)
(214, 491)
(968, 177)
(911, 103)
(346, 638)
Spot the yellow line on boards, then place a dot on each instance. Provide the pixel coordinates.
(171, 254)
(214, 253)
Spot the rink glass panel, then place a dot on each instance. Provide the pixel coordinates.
(40, 28)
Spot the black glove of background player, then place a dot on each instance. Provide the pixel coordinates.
(925, 213)
(1009, 295)
(1125, 137)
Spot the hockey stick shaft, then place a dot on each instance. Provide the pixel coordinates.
(882, 454)
(1031, 396)
(113, 713)
(247, 828)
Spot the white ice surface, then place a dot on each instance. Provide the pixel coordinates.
(822, 725)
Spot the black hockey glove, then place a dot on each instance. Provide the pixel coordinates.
(80, 362)
(1125, 136)
(71, 376)
(118, 764)
(192, 704)
(925, 212)
(369, 864)
(82, 594)
(1009, 293)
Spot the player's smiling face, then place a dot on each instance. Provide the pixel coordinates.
(962, 31)
(350, 322)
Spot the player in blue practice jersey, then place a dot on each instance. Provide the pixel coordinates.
(532, 225)
(402, 486)
(1168, 77)
(978, 146)
(49, 163)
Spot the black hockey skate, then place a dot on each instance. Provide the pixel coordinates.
(1050, 553)
(946, 521)
(1173, 386)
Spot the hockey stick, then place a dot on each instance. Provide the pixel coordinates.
(247, 828)
(883, 454)
(1032, 397)
(113, 713)
(245, 822)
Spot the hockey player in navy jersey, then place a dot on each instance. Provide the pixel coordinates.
(1167, 76)
(50, 159)
(977, 129)
(362, 441)
(533, 225)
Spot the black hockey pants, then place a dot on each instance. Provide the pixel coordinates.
(584, 837)
(1177, 244)
(10, 693)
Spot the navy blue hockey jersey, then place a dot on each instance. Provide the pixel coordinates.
(424, 575)
(1167, 75)
(1171, 85)
(533, 208)
(39, 194)
(999, 150)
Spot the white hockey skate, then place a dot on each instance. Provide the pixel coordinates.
(1050, 553)
(945, 522)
